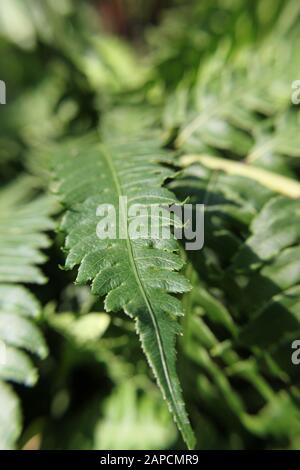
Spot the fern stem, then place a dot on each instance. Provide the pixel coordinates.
(275, 182)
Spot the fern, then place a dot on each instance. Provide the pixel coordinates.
(245, 297)
(211, 90)
(22, 223)
(239, 105)
(135, 275)
(243, 307)
(227, 100)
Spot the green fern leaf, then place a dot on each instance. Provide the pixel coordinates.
(136, 275)
(23, 220)
(17, 332)
(10, 417)
(244, 306)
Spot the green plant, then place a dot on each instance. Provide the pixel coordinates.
(206, 118)
(23, 222)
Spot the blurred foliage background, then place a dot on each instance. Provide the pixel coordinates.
(213, 78)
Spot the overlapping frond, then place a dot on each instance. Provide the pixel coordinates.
(23, 221)
(244, 306)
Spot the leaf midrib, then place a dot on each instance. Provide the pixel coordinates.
(140, 285)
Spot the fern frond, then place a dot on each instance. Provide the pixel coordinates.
(228, 101)
(22, 223)
(239, 106)
(23, 220)
(136, 275)
(244, 306)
